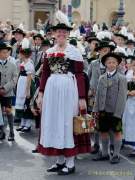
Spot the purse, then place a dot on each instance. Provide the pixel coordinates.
(84, 124)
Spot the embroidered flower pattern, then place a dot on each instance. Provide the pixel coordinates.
(58, 63)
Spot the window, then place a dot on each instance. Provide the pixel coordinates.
(76, 3)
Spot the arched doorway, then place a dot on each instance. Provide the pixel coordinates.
(42, 15)
(113, 18)
(41, 9)
(76, 17)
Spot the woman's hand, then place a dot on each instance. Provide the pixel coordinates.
(34, 112)
(27, 93)
(39, 101)
(131, 93)
(82, 104)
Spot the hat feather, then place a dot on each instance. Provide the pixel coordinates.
(21, 26)
(120, 50)
(25, 43)
(62, 18)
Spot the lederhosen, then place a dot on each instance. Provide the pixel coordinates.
(106, 120)
(5, 101)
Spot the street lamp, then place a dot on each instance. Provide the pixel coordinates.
(121, 13)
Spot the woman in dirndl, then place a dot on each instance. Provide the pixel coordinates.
(62, 92)
(23, 93)
(129, 113)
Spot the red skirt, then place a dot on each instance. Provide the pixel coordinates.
(82, 145)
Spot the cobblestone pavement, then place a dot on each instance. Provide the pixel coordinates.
(18, 163)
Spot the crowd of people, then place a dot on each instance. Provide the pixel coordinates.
(53, 77)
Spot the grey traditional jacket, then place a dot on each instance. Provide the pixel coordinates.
(94, 73)
(119, 90)
(8, 77)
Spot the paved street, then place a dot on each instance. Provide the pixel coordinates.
(18, 163)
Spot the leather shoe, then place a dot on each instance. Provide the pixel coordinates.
(66, 171)
(115, 160)
(34, 151)
(11, 137)
(19, 129)
(100, 157)
(26, 130)
(2, 136)
(95, 149)
(56, 168)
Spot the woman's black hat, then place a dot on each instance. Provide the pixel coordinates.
(61, 26)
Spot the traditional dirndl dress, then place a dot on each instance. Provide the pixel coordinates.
(129, 118)
(60, 105)
(25, 70)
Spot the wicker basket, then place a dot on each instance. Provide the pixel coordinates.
(84, 124)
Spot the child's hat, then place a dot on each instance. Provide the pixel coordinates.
(114, 55)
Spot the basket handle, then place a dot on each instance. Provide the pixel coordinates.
(83, 114)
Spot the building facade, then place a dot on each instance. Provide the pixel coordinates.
(29, 11)
(100, 10)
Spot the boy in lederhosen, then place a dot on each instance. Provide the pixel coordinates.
(8, 78)
(96, 69)
(110, 102)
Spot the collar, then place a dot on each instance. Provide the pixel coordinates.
(111, 74)
(3, 62)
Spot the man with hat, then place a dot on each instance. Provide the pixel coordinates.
(19, 35)
(120, 39)
(93, 42)
(37, 48)
(96, 69)
(8, 78)
(109, 104)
